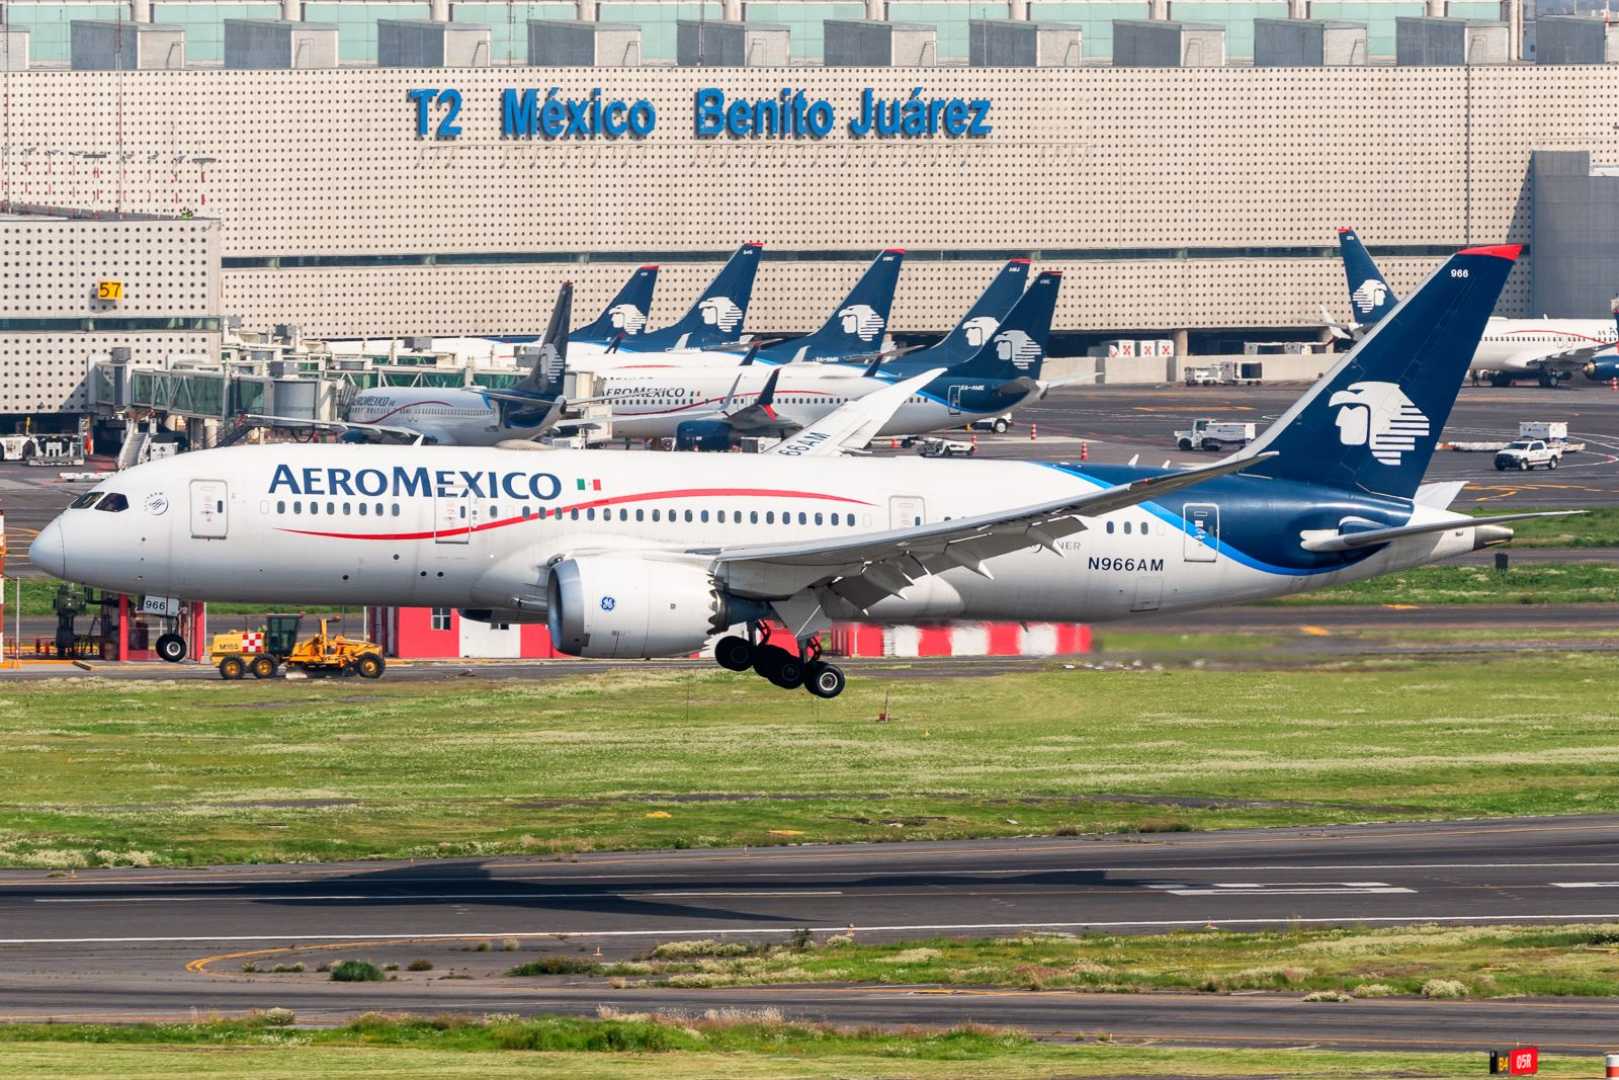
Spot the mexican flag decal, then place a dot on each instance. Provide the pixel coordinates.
(588, 485)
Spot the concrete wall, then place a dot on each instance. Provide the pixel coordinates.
(1159, 370)
(1576, 224)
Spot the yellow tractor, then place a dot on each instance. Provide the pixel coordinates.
(259, 652)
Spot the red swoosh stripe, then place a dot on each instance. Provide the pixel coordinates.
(402, 408)
(557, 511)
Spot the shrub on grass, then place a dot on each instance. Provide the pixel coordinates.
(1444, 988)
(277, 1017)
(1327, 995)
(356, 971)
(1374, 990)
(558, 965)
(683, 950)
(288, 969)
(419, 965)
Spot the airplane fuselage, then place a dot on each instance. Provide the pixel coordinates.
(447, 416)
(477, 528)
(1519, 346)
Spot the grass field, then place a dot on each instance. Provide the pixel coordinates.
(1597, 527)
(1525, 583)
(111, 772)
(652, 1048)
(1428, 961)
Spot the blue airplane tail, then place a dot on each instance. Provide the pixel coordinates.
(975, 328)
(1371, 423)
(1370, 297)
(1017, 348)
(626, 314)
(716, 317)
(856, 326)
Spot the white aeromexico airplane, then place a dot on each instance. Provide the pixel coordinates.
(638, 554)
(1546, 350)
(702, 409)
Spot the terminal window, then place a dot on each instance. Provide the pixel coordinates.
(50, 36)
(806, 37)
(657, 22)
(204, 24)
(950, 20)
(1095, 22)
(357, 24)
(508, 25)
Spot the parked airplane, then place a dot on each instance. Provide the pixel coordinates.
(1548, 350)
(464, 416)
(647, 554)
(624, 317)
(968, 335)
(708, 409)
(715, 319)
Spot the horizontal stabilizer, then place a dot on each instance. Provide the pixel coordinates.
(1312, 540)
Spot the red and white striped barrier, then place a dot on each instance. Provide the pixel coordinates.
(415, 634)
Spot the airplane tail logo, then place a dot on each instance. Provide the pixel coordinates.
(1018, 349)
(550, 361)
(720, 311)
(979, 329)
(1369, 295)
(627, 317)
(862, 321)
(1378, 416)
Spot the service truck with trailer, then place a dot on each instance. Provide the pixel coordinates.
(1206, 434)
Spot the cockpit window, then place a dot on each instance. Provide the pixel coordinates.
(88, 499)
(114, 503)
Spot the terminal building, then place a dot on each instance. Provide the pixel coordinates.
(386, 170)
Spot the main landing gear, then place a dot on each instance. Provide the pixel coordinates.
(780, 666)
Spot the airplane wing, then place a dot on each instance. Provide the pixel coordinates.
(405, 434)
(758, 416)
(1332, 540)
(864, 569)
(1573, 359)
(851, 426)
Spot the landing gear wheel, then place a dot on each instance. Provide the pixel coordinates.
(369, 666)
(789, 673)
(262, 667)
(824, 680)
(734, 653)
(765, 659)
(1500, 378)
(171, 647)
(231, 668)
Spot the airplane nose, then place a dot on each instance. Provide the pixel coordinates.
(49, 550)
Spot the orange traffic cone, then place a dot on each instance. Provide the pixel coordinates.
(1084, 451)
(1034, 431)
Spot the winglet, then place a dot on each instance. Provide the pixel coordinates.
(1509, 252)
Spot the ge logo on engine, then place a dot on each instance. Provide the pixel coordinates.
(608, 603)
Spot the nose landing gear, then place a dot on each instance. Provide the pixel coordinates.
(779, 666)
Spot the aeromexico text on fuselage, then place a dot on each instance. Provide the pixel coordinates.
(401, 481)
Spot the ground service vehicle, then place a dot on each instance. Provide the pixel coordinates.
(1209, 434)
(1000, 425)
(1526, 454)
(937, 447)
(258, 652)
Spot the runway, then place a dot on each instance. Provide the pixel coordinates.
(155, 943)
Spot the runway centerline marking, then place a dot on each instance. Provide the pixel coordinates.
(1249, 889)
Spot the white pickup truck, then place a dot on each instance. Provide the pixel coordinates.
(1526, 454)
(1209, 434)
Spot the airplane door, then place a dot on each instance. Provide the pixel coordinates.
(453, 516)
(1202, 531)
(955, 400)
(209, 514)
(906, 512)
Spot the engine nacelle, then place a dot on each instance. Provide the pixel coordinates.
(629, 608)
(1602, 370)
(703, 435)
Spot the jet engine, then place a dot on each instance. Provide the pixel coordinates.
(1602, 370)
(703, 435)
(628, 608)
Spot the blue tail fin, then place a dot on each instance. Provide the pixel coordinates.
(716, 317)
(626, 314)
(1017, 348)
(550, 357)
(1371, 423)
(856, 326)
(975, 328)
(1370, 297)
